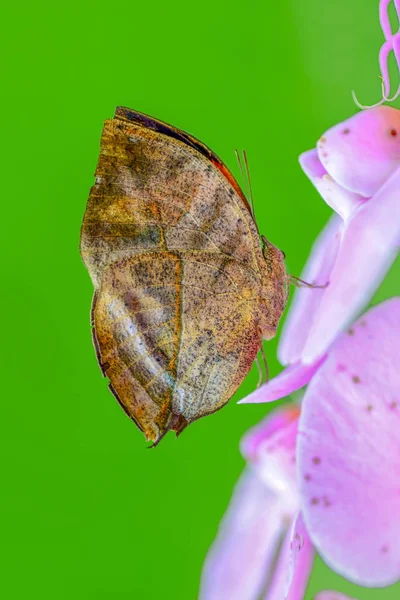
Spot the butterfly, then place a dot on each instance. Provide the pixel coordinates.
(185, 287)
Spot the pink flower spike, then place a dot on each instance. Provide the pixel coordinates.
(329, 595)
(369, 246)
(307, 300)
(294, 565)
(288, 381)
(348, 451)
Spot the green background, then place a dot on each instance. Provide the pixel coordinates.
(87, 512)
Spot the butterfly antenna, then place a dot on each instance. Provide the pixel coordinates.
(240, 164)
(249, 183)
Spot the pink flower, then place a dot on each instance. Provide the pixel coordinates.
(348, 451)
(356, 169)
(343, 497)
(263, 511)
(329, 480)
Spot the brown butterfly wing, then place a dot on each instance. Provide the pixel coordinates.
(153, 192)
(175, 335)
(176, 261)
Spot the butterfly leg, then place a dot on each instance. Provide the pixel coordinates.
(300, 283)
(261, 375)
(260, 372)
(265, 363)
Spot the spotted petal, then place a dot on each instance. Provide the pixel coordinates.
(362, 152)
(348, 451)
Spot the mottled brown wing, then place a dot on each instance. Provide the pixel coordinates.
(179, 274)
(155, 192)
(175, 336)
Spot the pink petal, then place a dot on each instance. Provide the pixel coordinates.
(329, 595)
(349, 451)
(344, 202)
(239, 561)
(311, 165)
(273, 423)
(271, 452)
(363, 151)
(264, 501)
(288, 381)
(294, 565)
(306, 301)
(369, 246)
(301, 561)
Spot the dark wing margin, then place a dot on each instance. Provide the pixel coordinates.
(126, 114)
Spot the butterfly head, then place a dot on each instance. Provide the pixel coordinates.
(274, 288)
